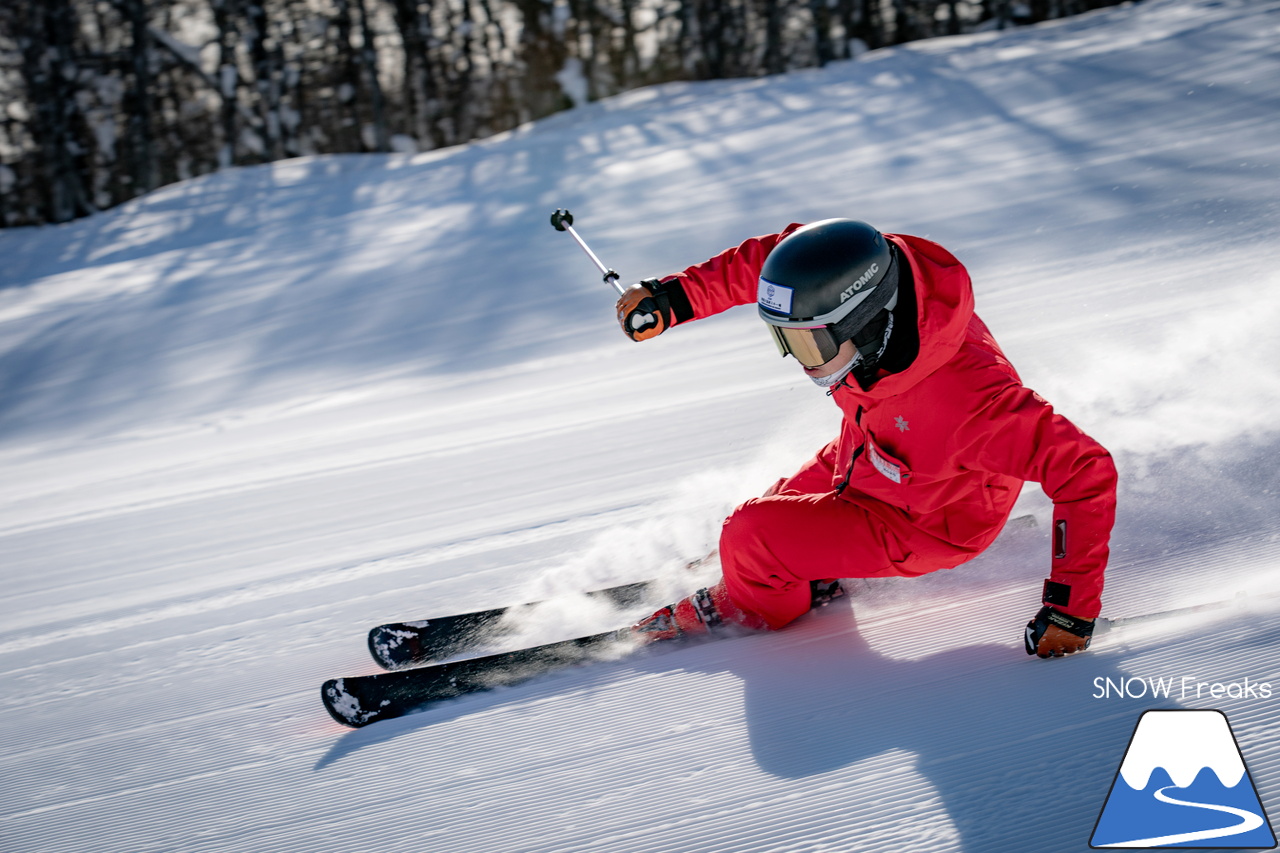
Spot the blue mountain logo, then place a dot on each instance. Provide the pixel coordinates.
(1183, 783)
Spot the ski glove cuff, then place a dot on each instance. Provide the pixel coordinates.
(1053, 633)
(650, 307)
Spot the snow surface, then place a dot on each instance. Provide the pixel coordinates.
(247, 417)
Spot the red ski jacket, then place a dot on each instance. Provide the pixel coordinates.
(942, 449)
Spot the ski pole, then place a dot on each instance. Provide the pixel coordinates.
(562, 220)
(644, 315)
(1105, 624)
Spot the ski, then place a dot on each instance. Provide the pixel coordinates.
(397, 645)
(365, 699)
(1242, 600)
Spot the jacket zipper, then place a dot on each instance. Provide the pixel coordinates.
(857, 451)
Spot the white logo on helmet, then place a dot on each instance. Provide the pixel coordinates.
(775, 297)
(860, 283)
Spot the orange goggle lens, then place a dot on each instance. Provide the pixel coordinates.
(811, 347)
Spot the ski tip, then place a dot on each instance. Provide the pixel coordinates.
(342, 706)
(400, 645)
(380, 645)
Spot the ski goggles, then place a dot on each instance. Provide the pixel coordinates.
(811, 347)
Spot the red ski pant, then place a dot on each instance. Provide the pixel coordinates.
(771, 547)
(801, 530)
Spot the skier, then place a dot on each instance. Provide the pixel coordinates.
(938, 434)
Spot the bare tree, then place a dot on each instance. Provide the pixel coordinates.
(51, 70)
(142, 159)
(103, 100)
(226, 17)
(369, 76)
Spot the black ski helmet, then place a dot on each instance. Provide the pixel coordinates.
(837, 273)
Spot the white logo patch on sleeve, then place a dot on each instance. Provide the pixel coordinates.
(775, 297)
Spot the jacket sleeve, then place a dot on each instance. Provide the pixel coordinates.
(728, 279)
(1019, 434)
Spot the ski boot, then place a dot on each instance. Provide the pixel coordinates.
(695, 616)
(822, 593)
(711, 608)
(692, 616)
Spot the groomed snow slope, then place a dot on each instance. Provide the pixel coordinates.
(247, 417)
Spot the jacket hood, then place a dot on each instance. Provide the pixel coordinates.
(944, 307)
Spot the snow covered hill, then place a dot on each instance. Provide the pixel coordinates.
(249, 416)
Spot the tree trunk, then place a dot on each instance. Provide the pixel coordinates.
(51, 73)
(419, 87)
(369, 69)
(225, 14)
(266, 79)
(774, 59)
(142, 162)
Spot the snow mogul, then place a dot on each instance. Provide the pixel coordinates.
(938, 436)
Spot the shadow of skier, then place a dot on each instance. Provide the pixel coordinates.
(1019, 751)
